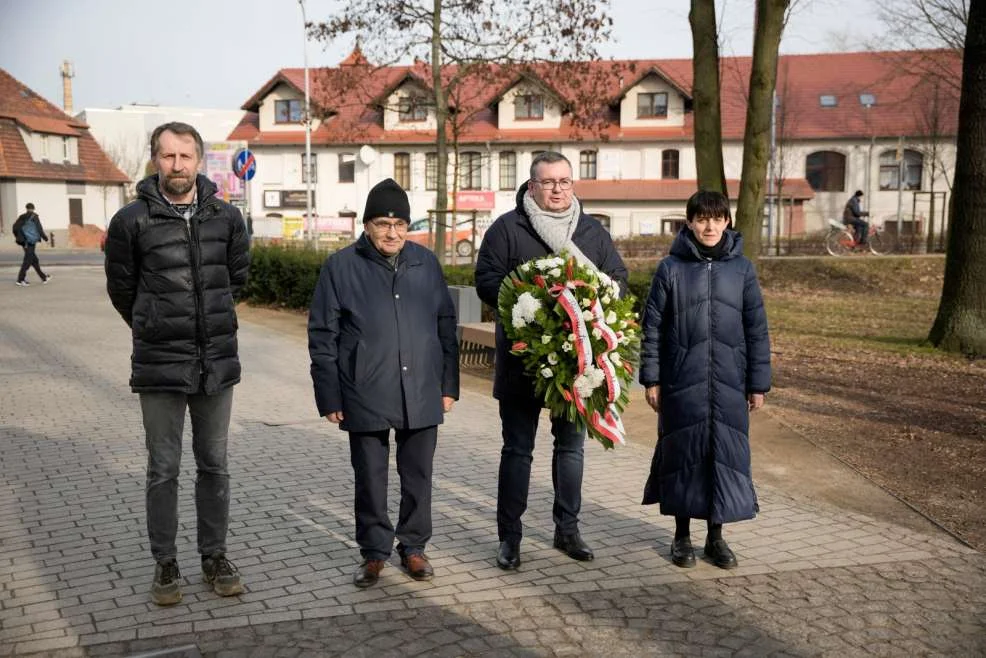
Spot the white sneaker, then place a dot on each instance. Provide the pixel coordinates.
(23, 284)
(47, 279)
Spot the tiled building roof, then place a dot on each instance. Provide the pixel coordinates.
(897, 81)
(20, 106)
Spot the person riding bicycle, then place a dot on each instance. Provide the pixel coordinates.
(853, 215)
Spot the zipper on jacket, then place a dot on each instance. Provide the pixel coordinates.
(196, 289)
(712, 444)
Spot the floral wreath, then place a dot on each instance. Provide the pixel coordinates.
(578, 339)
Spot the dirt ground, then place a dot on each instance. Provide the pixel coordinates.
(862, 415)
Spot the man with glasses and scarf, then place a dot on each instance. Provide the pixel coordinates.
(384, 352)
(548, 219)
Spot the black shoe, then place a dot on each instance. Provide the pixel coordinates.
(719, 553)
(682, 553)
(222, 575)
(368, 573)
(508, 555)
(166, 589)
(573, 546)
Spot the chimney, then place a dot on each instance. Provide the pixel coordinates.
(68, 72)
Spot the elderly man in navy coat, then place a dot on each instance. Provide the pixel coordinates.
(384, 352)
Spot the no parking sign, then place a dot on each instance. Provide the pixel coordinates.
(244, 164)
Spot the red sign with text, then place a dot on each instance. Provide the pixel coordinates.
(475, 200)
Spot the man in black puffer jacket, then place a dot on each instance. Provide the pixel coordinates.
(548, 219)
(176, 258)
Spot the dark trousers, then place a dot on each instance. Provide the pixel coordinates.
(519, 418)
(860, 229)
(370, 454)
(30, 260)
(164, 420)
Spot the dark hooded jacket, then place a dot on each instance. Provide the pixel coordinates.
(382, 340)
(175, 282)
(23, 234)
(705, 342)
(512, 241)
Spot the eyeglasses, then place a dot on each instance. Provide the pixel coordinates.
(564, 184)
(386, 227)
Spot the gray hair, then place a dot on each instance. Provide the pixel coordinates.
(178, 128)
(548, 157)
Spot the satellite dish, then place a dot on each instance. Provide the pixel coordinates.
(367, 154)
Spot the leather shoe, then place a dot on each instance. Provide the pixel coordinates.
(719, 553)
(417, 566)
(573, 546)
(508, 555)
(682, 553)
(368, 573)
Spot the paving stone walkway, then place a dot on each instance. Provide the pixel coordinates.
(75, 566)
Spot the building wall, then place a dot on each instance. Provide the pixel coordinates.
(51, 201)
(391, 114)
(267, 111)
(506, 114)
(652, 84)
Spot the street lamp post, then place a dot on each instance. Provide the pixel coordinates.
(306, 232)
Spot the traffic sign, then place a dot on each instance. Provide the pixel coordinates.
(244, 164)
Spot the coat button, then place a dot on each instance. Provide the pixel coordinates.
(397, 296)
(404, 368)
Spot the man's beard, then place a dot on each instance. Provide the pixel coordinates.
(178, 185)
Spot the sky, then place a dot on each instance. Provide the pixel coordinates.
(218, 53)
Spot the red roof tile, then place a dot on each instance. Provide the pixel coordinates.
(20, 105)
(897, 79)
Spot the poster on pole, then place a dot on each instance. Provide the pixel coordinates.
(219, 169)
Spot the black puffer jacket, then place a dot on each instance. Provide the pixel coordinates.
(383, 340)
(174, 282)
(705, 342)
(512, 241)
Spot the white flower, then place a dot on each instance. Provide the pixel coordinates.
(623, 324)
(545, 339)
(547, 373)
(597, 333)
(610, 317)
(615, 289)
(553, 358)
(526, 267)
(587, 316)
(571, 338)
(555, 273)
(566, 346)
(624, 340)
(542, 264)
(518, 322)
(605, 279)
(523, 311)
(589, 381)
(587, 302)
(615, 358)
(607, 299)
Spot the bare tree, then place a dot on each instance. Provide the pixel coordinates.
(475, 37)
(769, 26)
(961, 322)
(922, 25)
(705, 92)
(130, 156)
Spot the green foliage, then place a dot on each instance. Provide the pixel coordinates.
(283, 276)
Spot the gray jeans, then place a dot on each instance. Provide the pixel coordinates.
(164, 421)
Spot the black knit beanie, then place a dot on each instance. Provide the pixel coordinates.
(387, 199)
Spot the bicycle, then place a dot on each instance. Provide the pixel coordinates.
(840, 240)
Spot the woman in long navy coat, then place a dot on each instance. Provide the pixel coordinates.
(705, 364)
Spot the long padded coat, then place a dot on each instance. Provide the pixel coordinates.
(175, 282)
(705, 342)
(382, 341)
(512, 241)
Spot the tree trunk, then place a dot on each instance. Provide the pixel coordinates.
(756, 138)
(705, 91)
(441, 119)
(961, 322)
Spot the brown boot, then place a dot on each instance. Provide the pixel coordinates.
(417, 566)
(368, 573)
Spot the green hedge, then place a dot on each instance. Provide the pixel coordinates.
(286, 276)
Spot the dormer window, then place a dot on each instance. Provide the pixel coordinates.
(288, 111)
(828, 100)
(652, 105)
(411, 109)
(529, 107)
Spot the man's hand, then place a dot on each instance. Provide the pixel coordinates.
(334, 417)
(653, 396)
(447, 403)
(756, 400)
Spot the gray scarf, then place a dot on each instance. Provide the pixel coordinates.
(557, 229)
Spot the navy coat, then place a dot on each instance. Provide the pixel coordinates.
(705, 342)
(383, 341)
(512, 241)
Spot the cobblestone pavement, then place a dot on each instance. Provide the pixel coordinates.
(75, 566)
